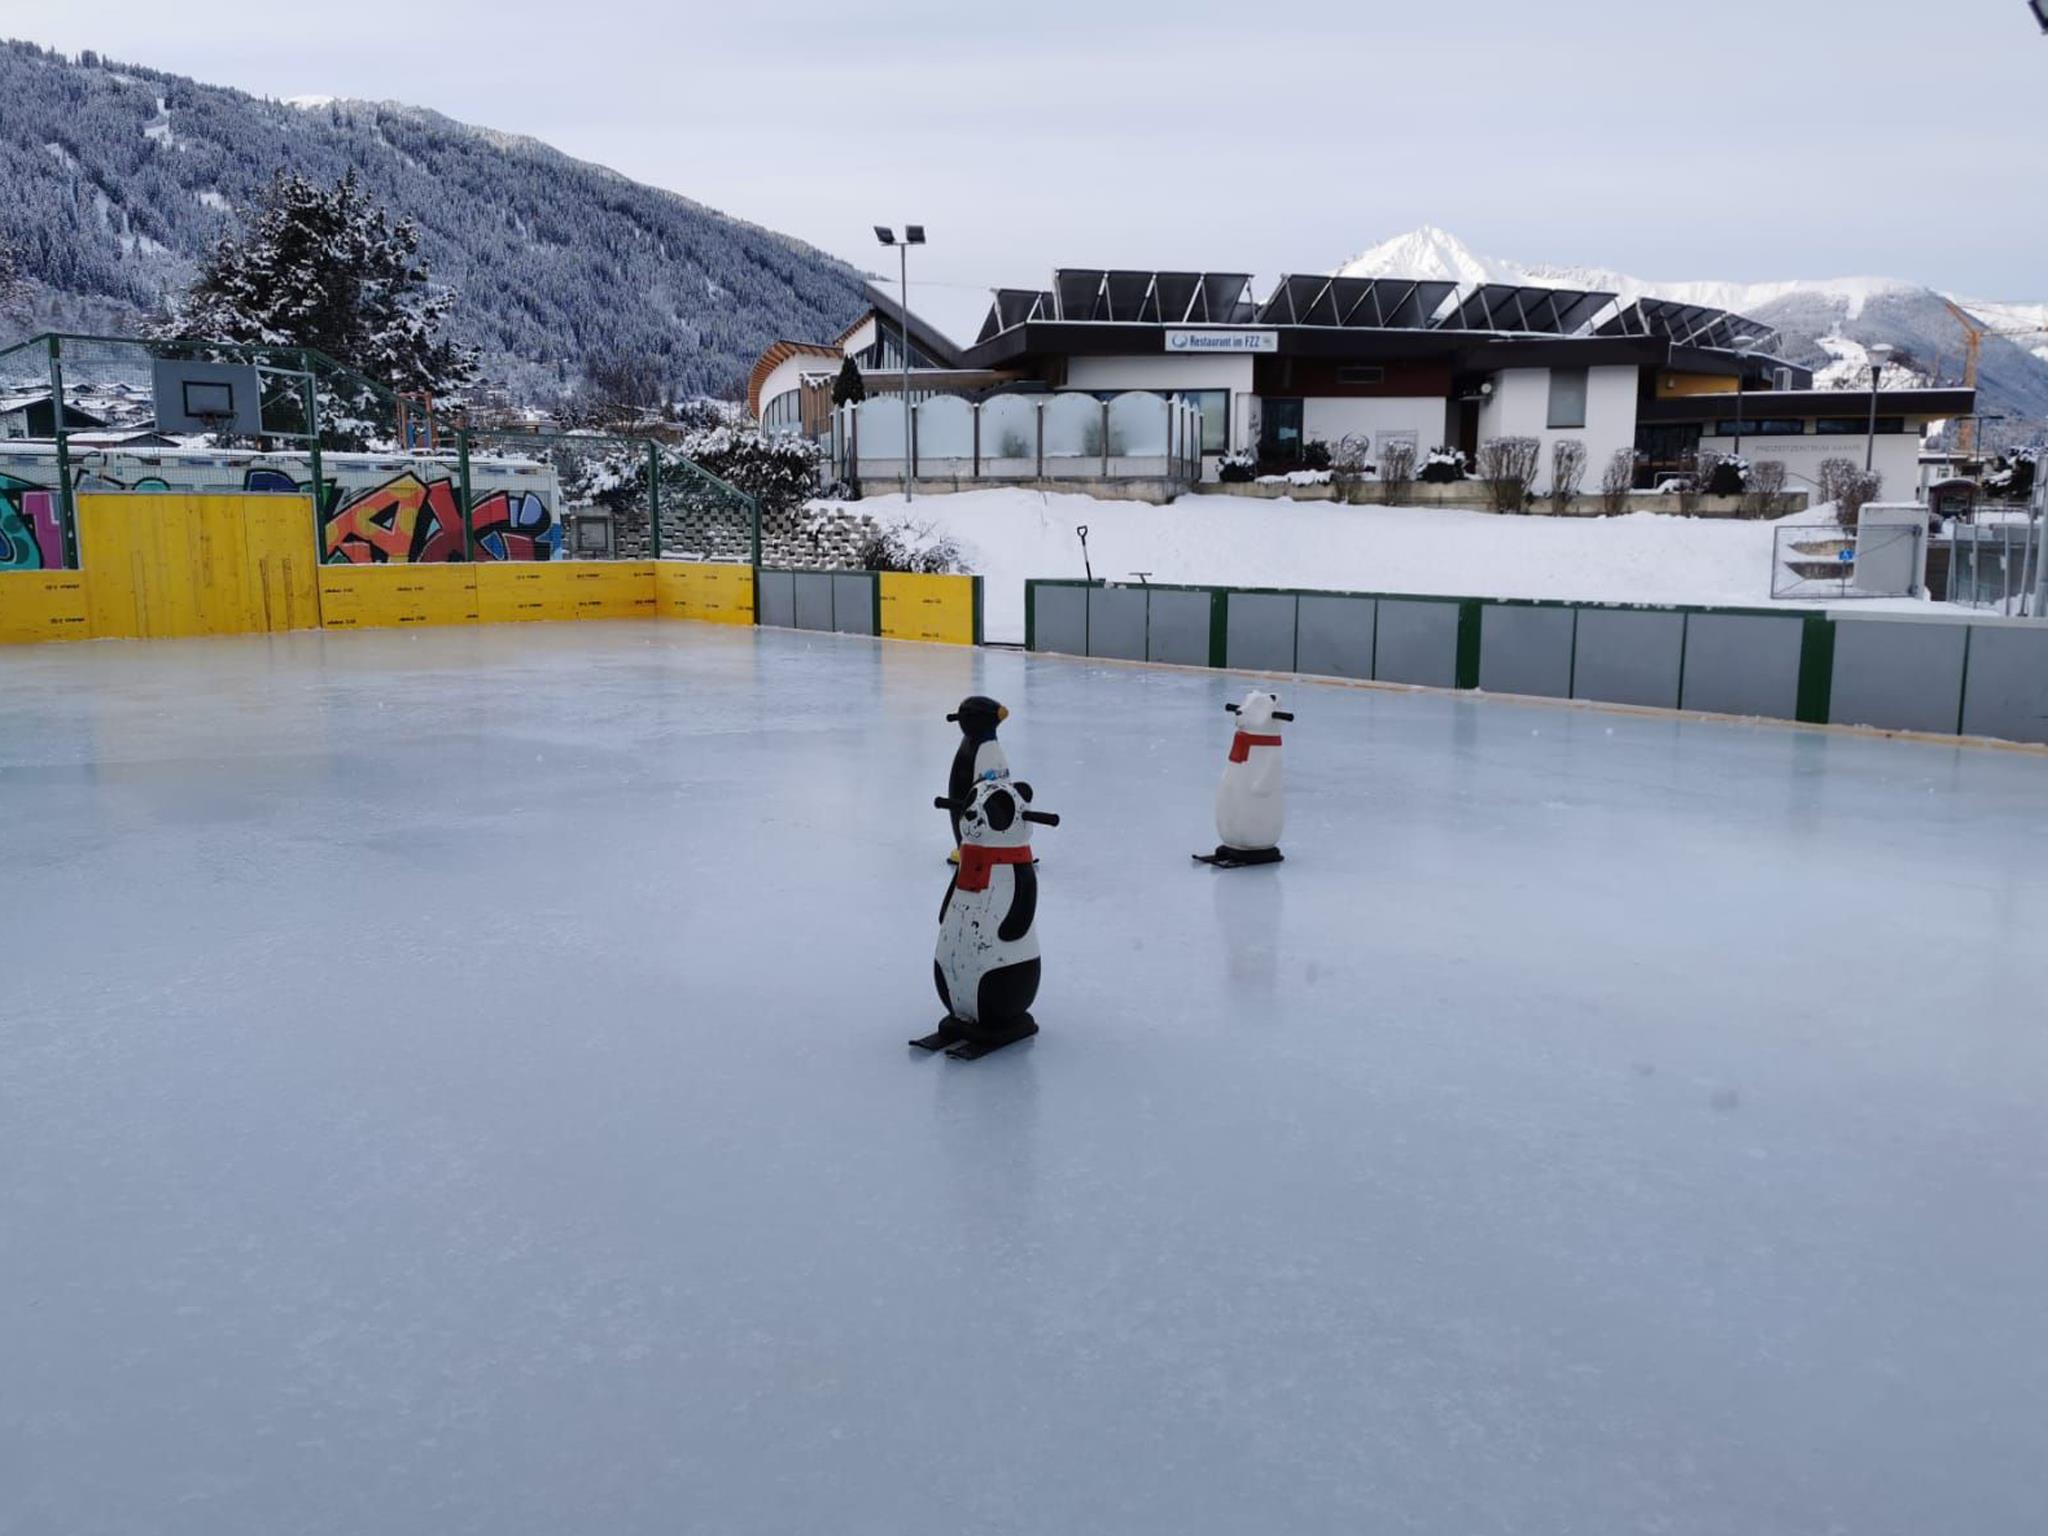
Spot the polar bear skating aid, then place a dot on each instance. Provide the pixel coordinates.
(1251, 802)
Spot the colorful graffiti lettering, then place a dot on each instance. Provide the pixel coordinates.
(514, 526)
(31, 538)
(404, 520)
(407, 520)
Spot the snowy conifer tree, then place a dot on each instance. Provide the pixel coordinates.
(328, 270)
(849, 388)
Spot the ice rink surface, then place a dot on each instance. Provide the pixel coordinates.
(454, 1082)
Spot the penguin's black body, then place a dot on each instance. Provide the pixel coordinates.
(980, 756)
(986, 966)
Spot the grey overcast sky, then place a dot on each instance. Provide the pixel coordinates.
(1747, 139)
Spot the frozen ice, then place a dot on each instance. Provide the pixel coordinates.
(454, 1082)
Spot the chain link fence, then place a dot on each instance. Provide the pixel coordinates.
(393, 479)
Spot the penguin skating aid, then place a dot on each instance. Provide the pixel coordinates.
(979, 756)
(986, 964)
(1251, 802)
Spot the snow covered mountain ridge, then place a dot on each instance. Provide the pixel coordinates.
(1433, 252)
(1826, 323)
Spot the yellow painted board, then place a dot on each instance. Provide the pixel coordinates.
(380, 596)
(716, 594)
(165, 564)
(520, 592)
(938, 608)
(43, 605)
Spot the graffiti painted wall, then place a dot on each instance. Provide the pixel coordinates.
(31, 537)
(378, 509)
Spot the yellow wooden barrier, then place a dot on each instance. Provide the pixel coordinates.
(946, 609)
(713, 594)
(166, 564)
(43, 605)
(378, 596)
(161, 564)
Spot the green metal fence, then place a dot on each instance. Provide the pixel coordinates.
(622, 497)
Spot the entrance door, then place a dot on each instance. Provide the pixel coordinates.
(161, 564)
(1280, 437)
(1665, 449)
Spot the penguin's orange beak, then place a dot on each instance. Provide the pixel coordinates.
(1002, 713)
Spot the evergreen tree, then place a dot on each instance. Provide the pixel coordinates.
(849, 388)
(13, 285)
(328, 270)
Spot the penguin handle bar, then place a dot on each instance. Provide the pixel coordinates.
(1282, 714)
(1043, 818)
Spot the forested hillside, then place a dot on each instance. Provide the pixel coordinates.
(115, 179)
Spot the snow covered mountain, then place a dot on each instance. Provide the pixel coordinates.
(1827, 324)
(116, 179)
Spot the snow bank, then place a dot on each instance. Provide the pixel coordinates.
(1644, 557)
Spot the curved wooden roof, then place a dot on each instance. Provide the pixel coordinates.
(778, 353)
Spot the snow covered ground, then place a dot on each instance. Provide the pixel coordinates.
(452, 1082)
(1644, 557)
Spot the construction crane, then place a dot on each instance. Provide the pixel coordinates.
(1974, 332)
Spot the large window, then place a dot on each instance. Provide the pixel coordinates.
(784, 413)
(1763, 427)
(1567, 397)
(1214, 404)
(885, 353)
(1857, 426)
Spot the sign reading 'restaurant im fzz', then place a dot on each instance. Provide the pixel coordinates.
(1222, 341)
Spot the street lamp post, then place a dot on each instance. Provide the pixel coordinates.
(913, 234)
(1879, 356)
(1745, 349)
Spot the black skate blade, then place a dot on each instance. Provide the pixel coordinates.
(1240, 858)
(948, 1033)
(974, 1048)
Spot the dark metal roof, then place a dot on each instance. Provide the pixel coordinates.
(1541, 311)
(1761, 404)
(1100, 295)
(1690, 325)
(1354, 303)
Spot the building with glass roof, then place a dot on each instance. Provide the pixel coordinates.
(1371, 361)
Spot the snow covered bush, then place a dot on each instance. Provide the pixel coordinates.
(1443, 466)
(1617, 480)
(916, 547)
(1766, 485)
(1397, 469)
(1350, 455)
(2011, 477)
(1724, 474)
(1848, 486)
(1507, 466)
(1315, 454)
(1240, 468)
(1567, 472)
(779, 472)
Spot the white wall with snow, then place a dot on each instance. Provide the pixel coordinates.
(1897, 457)
(1166, 374)
(1520, 407)
(1422, 416)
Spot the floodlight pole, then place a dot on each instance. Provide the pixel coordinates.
(903, 287)
(67, 503)
(1879, 356)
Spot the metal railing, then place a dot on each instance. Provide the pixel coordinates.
(1997, 565)
(1068, 435)
(1821, 560)
(620, 496)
